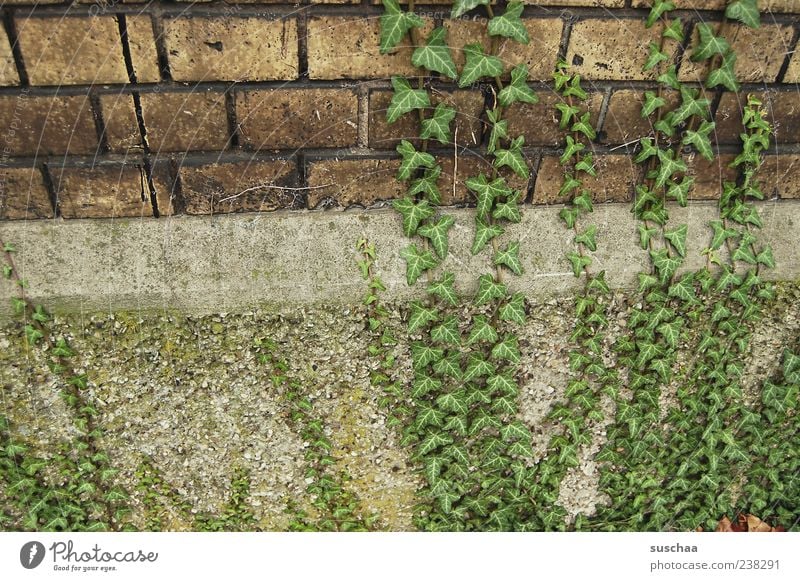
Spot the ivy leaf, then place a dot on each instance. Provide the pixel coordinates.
(416, 262)
(646, 281)
(690, 105)
(427, 185)
(574, 89)
(765, 257)
(478, 367)
(518, 90)
(708, 45)
(499, 129)
(509, 257)
(405, 99)
(488, 289)
(680, 191)
(413, 213)
(645, 234)
(585, 126)
(487, 192)
(587, 238)
(503, 383)
(684, 289)
(570, 183)
(508, 210)
(514, 310)
(656, 56)
(569, 215)
(423, 355)
(438, 125)
(572, 148)
(674, 30)
(484, 232)
(421, 316)
(662, 367)
(449, 366)
(461, 7)
(725, 74)
(652, 102)
(567, 113)
(453, 402)
(515, 431)
(482, 330)
(665, 264)
(459, 425)
(435, 55)
(671, 332)
(433, 468)
(395, 23)
(659, 8)
(412, 159)
(668, 167)
(670, 78)
(647, 352)
(648, 150)
(478, 65)
(512, 157)
(720, 234)
(433, 442)
(436, 232)
(507, 349)
(443, 288)
(447, 331)
(586, 164)
(745, 11)
(578, 262)
(509, 24)
(424, 384)
(677, 238)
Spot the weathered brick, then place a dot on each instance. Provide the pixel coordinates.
(759, 53)
(345, 182)
(23, 195)
(143, 48)
(47, 125)
(540, 54)
(467, 123)
(72, 50)
(793, 71)
(615, 180)
(348, 48)
(195, 121)
(295, 118)
(471, 166)
(709, 175)
(539, 123)
(231, 48)
(780, 176)
(8, 70)
(599, 3)
(764, 6)
(624, 122)
(251, 186)
(106, 191)
(782, 110)
(609, 48)
(121, 126)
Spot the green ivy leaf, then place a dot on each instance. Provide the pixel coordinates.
(433, 442)
(574, 89)
(700, 139)
(647, 352)
(720, 234)
(499, 129)
(570, 183)
(416, 262)
(458, 425)
(586, 165)
(587, 238)
(725, 74)
(745, 11)
(708, 45)
(413, 213)
(573, 148)
(509, 257)
(568, 112)
(765, 257)
(508, 210)
(461, 7)
(651, 102)
(670, 78)
(405, 99)
(677, 238)
(487, 192)
(665, 264)
(656, 56)
(443, 288)
(690, 105)
(420, 316)
(433, 468)
(509, 24)
(512, 157)
(427, 185)
(668, 167)
(412, 159)
(436, 232)
(488, 290)
(484, 232)
(646, 281)
(423, 355)
(435, 55)
(659, 8)
(477, 367)
(663, 368)
(514, 310)
(482, 330)
(578, 262)
(671, 332)
(674, 31)
(438, 126)
(507, 349)
(395, 23)
(684, 289)
(645, 235)
(503, 383)
(585, 126)
(680, 191)
(478, 65)
(453, 402)
(449, 366)
(518, 90)
(447, 331)
(424, 384)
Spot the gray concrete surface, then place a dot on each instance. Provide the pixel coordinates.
(231, 262)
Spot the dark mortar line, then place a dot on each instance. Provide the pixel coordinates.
(99, 122)
(13, 39)
(162, 54)
(688, 29)
(176, 191)
(234, 131)
(791, 52)
(50, 186)
(302, 44)
(563, 44)
(537, 163)
(602, 114)
(302, 178)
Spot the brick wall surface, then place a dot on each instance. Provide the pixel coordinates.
(139, 108)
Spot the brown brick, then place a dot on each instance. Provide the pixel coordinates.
(47, 125)
(759, 53)
(793, 72)
(472, 166)
(122, 128)
(295, 118)
(615, 180)
(345, 182)
(23, 195)
(348, 48)
(8, 69)
(624, 121)
(540, 54)
(108, 191)
(239, 187)
(600, 3)
(143, 48)
(72, 50)
(539, 123)
(231, 48)
(468, 104)
(764, 6)
(782, 111)
(194, 121)
(608, 48)
(709, 175)
(780, 176)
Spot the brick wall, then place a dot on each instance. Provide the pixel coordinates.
(134, 108)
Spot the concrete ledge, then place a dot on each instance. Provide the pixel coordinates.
(233, 262)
